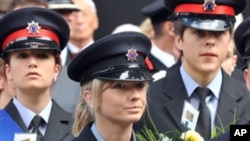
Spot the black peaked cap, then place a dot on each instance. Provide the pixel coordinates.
(242, 38)
(238, 5)
(118, 56)
(211, 15)
(156, 11)
(33, 28)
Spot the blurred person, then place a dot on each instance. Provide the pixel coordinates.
(17, 4)
(147, 28)
(242, 43)
(65, 88)
(230, 62)
(83, 25)
(114, 86)
(82, 32)
(31, 49)
(6, 88)
(164, 53)
(66, 8)
(229, 65)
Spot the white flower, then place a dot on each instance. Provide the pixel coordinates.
(191, 135)
(164, 138)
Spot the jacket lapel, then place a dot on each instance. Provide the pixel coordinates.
(59, 125)
(227, 102)
(176, 92)
(12, 111)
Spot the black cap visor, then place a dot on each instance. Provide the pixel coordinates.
(31, 44)
(120, 73)
(207, 22)
(127, 75)
(246, 52)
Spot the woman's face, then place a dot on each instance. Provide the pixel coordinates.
(123, 102)
(32, 69)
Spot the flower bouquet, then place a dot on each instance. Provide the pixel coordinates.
(189, 135)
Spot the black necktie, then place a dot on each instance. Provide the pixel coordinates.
(73, 55)
(36, 122)
(204, 119)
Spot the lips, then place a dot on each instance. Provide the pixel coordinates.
(32, 74)
(208, 54)
(134, 107)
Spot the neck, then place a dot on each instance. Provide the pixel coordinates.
(203, 78)
(114, 132)
(4, 99)
(36, 101)
(167, 45)
(80, 43)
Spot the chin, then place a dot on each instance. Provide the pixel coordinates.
(134, 118)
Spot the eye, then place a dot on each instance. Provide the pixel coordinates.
(140, 85)
(218, 33)
(119, 86)
(22, 55)
(42, 55)
(200, 33)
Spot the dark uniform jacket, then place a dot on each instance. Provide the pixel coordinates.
(226, 136)
(59, 126)
(166, 99)
(157, 65)
(87, 135)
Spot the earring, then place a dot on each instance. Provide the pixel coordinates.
(54, 79)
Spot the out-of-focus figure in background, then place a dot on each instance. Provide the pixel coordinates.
(164, 53)
(7, 91)
(17, 4)
(82, 19)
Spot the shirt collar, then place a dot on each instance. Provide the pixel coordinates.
(99, 137)
(166, 58)
(27, 115)
(191, 85)
(74, 49)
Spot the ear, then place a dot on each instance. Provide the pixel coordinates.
(1, 82)
(96, 22)
(56, 71)
(235, 58)
(178, 41)
(247, 78)
(8, 72)
(169, 27)
(88, 97)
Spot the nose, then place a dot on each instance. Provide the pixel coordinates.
(210, 41)
(32, 62)
(210, 44)
(135, 95)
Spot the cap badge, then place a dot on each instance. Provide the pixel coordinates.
(209, 5)
(33, 27)
(132, 55)
(33, 45)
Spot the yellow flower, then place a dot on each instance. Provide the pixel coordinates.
(191, 135)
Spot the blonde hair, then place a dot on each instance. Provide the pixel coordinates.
(83, 113)
(147, 28)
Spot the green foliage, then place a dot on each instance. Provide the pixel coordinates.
(147, 134)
